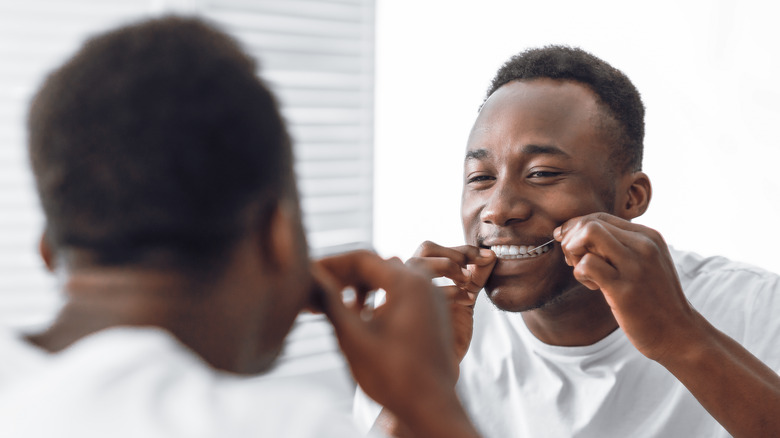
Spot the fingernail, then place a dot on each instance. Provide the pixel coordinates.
(486, 253)
(557, 234)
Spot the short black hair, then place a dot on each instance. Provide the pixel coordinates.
(157, 136)
(615, 92)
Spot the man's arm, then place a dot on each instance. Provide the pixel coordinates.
(632, 267)
(400, 355)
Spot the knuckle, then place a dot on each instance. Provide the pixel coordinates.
(647, 247)
(584, 264)
(395, 260)
(452, 269)
(580, 271)
(592, 228)
(425, 248)
(656, 236)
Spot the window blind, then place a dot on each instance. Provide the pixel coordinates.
(317, 56)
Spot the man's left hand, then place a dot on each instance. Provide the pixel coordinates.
(633, 268)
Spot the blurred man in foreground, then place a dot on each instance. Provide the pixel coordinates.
(590, 326)
(165, 173)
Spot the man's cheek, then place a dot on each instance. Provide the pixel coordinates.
(470, 224)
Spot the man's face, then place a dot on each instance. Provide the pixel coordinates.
(285, 284)
(535, 158)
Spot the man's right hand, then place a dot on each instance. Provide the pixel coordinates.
(400, 354)
(469, 268)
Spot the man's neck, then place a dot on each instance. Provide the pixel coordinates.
(579, 318)
(101, 298)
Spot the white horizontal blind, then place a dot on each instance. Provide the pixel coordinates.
(317, 55)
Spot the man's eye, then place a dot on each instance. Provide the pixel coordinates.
(543, 174)
(479, 178)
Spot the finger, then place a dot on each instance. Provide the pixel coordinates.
(467, 266)
(458, 295)
(484, 256)
(346, 323)
(595, 273)
(597, 237)
(350, 285)
(481, 273)
(462, 255)
(395, 260)
(600, 216)
(618, 222)
(641, 239)
(363, 270)
(434, 267)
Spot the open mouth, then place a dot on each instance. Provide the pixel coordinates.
(512, 252)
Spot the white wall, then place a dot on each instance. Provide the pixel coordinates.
(707, 72)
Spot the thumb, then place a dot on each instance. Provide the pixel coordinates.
(486, 257)
(346, 323)
(481, 270)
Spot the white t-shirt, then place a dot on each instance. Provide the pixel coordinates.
(141, 382)
(513, 385)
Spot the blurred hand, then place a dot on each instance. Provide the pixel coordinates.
(400, 355)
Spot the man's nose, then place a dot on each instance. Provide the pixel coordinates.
(505, 205)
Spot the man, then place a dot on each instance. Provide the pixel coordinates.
(165, 174)
(596, 328)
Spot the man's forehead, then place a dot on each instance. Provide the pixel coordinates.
(565, 88)
(544, 102)
(541, 115)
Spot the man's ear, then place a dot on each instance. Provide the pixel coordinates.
(46, 251)
(633, 196)
(282, 238)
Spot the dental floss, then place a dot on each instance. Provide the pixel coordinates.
(545, 243)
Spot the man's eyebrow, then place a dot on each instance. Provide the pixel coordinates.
(477, 154)
(529, 149)
(534, 149)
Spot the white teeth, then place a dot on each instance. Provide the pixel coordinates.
(519, 252)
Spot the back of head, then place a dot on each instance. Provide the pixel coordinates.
(616, 94)
(156, 137)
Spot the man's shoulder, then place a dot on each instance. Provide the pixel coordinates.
(143, 382)
(739, 299)
(692, 266)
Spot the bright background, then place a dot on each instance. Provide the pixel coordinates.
(707, 72)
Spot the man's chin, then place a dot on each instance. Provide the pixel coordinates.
(513, 300)
(514, 295)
